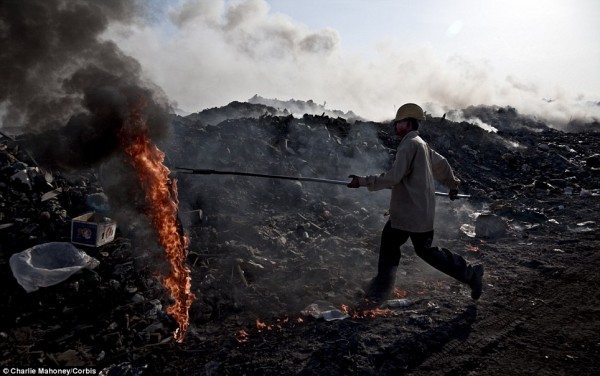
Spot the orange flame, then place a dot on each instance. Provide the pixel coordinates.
(471, 248)
(161, 197)
(260, 326)
(242, 336)
(366, 313)
(372, 313)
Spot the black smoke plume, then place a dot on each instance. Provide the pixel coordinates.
(70, 92)
(65, 85)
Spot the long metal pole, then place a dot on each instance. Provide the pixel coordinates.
(198, 171)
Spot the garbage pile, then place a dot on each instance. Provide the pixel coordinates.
(69, 299)
(264, 249)
(269, 248)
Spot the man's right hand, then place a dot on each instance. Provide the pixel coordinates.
(354, 183)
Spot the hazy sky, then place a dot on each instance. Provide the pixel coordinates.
(533, 39)
(541, 57)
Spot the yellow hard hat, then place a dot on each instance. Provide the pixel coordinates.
(410, 110)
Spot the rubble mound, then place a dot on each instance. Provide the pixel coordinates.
(300, 107)
(264, 251)
(235, 110)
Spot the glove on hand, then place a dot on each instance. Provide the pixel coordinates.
(354, 183)
(453, 194)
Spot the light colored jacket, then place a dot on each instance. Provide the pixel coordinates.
(411, 178)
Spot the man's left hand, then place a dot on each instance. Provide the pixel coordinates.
(453, 194)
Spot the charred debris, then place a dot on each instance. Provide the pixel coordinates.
(259, 248)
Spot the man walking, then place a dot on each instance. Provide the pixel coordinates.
(412, 208)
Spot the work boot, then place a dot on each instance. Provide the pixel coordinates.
(476, 281)
(382, 285)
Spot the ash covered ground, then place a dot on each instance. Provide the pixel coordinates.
(263, 250)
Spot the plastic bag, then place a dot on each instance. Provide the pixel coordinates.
(48, 264)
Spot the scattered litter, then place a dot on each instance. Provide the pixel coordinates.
(587, 223)
(22, 177)
(48, 264)
(397, 303)
(325, 310)
(581, 229)
(468, 230)
(92, 229)
(334, 314)
(6, 225)
(50, 195)
(124, 368)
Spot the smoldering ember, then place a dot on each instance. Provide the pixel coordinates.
(278, 267)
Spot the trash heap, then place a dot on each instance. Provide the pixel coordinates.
(270, 247)
(81, 303)
(264, 249)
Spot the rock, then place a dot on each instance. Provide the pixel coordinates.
(282, 240)
(543, 147)
(422, 321)
(137, 298)
(156, 308)
(593, 161)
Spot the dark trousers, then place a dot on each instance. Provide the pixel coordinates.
(440, 258)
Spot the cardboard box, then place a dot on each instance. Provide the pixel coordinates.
(92, 229)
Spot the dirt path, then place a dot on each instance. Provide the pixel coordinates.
(544, 321)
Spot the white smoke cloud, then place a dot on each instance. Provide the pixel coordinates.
(209, 53)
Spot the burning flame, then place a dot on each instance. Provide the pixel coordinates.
(242, 336)
(161, 197)
(471, 248)
(366, 313)
(262, 326)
